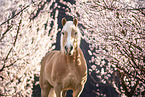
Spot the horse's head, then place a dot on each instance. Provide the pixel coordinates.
(70, 37)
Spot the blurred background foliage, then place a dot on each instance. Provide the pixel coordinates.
(113, 42)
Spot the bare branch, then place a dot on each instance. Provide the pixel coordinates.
(133, 89)
(123, 84)
(40, 7)
(14, 15)
(4, 66)
(8, 28)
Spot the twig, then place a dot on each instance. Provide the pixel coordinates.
(137, 20)
(126, 72)
(17, 32)
(14, 15)
(11, 64)
(4, 66)
(40, 7)
(8, 28)
(134, 88)
(123, 84)
(118, 9)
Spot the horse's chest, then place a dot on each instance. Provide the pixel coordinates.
(72, 79)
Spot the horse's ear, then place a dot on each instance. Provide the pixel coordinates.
(63, 21)
(75, 21)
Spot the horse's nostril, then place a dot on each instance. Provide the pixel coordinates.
(65, 48)
(71, 48)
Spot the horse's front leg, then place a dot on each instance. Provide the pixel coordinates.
(78, 91)
(45, 89)
(64, 93)
(58, 90)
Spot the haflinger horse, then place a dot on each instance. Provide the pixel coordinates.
(65, 69)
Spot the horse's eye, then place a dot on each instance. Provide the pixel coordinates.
(75, 33)
(62, 33)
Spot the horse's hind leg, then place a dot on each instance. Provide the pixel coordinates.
(45, 89)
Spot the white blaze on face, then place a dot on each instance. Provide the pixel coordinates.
(69, 42)
(62, 48)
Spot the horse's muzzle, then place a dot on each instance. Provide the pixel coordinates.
(68, 50)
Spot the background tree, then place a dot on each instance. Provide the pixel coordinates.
(115, 31)
(24, 41)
